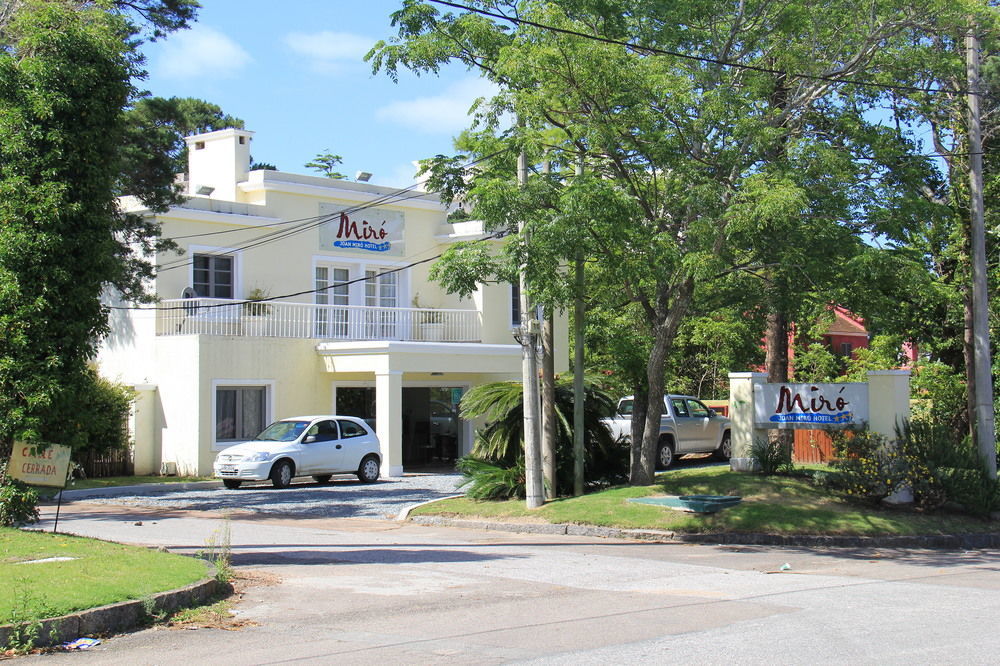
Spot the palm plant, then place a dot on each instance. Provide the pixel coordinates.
(500, 443)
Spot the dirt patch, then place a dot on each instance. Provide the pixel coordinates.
(223, 614)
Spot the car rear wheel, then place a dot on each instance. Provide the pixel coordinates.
(665, 454)
(725, 450)
(231, 484)
(368, 470)
(322, 478)
(281, 474)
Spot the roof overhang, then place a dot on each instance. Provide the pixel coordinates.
(390, 356)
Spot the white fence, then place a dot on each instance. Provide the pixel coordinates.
(213, 316)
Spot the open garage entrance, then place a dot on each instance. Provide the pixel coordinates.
(432, 429)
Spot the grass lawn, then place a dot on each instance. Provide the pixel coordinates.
(100, 573)
(772, 505)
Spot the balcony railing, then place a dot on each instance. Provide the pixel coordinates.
(213, 316)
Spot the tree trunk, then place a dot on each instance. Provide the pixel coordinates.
(776, 365)
(669, 313)
(548, 405)
(640, 400)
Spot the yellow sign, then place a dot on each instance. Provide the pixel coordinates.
(47, 467)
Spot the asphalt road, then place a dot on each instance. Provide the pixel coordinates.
(355, 591)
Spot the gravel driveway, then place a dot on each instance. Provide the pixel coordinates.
(343, 497)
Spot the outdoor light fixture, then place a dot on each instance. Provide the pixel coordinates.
(362, 176)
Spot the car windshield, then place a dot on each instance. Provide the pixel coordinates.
(282, 431)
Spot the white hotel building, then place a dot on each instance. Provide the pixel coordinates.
(392, 347)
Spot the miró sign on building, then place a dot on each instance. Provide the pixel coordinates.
(369, 230)
(810, 405)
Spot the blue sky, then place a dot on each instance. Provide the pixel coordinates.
(294, 72)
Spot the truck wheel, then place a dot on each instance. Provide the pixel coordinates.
(725, 450)
(665, 454)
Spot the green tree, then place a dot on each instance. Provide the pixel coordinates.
(679, 151)
(326, 163)
(65, 77)
(154, 151)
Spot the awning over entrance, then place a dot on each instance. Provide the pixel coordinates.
(392, 362)
(363, 356)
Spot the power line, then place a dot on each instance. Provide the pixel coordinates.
(312, 222)
(714, 61)
(388, 271)
(281, 234)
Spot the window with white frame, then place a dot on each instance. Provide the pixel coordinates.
(331, 284)
(240, 412)
(515, 305)
(213, 275)
(381, 291)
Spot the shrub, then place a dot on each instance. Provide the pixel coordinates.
(491, 481)
(869, 467)
(18, 502)
(771, 456)
(942, 468)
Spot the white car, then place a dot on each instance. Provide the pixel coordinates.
(316, 446)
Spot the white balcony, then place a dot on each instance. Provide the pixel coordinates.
(213, 316)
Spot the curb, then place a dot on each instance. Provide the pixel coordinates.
(143, 489)
(936, 542)
(118, 617)
(405, 513)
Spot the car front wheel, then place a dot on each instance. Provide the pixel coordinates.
(368, 471)
(281, 474)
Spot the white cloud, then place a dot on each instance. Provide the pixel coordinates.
(447, 113)
(401, 175)
(329, 51)
(200, 52)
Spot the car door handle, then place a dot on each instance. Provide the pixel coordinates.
(339, 446)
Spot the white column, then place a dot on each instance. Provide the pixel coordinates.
(145, 454)
(888, 400)
(889, 407)
(389, 420)
(741, 413)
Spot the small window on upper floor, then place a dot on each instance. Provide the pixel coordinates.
(199, 145)
(243, 140)
(213, 275)
(846, 349)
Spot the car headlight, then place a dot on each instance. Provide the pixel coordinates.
(260, 456)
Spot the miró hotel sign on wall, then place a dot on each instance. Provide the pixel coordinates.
(810, 405)
(369, 230)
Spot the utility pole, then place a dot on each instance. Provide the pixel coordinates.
(578, 393)
(984, 417)
(549, 426)
(534, 490)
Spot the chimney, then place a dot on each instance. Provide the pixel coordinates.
(217, 161)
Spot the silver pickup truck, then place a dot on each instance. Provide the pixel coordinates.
(687, 426)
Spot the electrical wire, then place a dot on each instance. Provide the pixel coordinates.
(388, 271)
(311, 222)
(713, 61)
